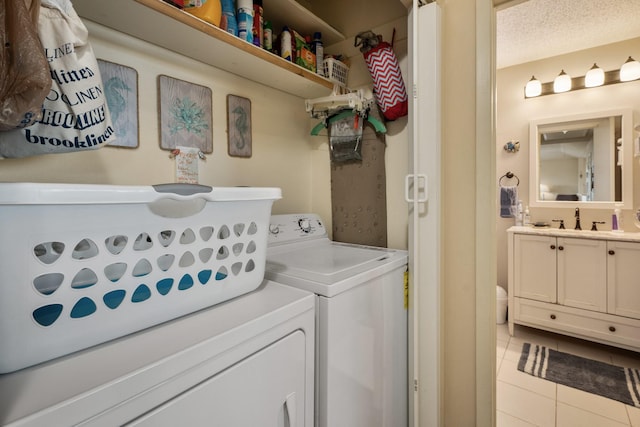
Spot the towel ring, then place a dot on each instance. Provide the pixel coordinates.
(509, 175)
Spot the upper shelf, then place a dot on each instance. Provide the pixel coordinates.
(164, 25)
(293, 14)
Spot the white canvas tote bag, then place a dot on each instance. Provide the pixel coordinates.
(75, 116)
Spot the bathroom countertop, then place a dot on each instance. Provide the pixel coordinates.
(584, 234)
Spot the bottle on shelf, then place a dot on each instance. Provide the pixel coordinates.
(285, 44)
(268, 36)
(228, 21)
(258, 31)
(207, 10)
(245, 20)
(318, 50)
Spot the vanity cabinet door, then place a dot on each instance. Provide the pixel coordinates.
(623, 261)
(535, 267)
(582, 273)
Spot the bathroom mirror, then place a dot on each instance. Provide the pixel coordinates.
(582, 160)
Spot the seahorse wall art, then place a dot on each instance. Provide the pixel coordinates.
(120, 85)
(239, 126)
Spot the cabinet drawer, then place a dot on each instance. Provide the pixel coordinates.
(613, 330)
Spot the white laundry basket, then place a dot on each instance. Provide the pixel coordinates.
(84, 264)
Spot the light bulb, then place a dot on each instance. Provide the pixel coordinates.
(630, 70)
(533, 88)
(562, 83)
(594, 77)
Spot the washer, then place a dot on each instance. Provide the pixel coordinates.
(361, 320)
(207, 368)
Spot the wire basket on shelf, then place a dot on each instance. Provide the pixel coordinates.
(336, 71)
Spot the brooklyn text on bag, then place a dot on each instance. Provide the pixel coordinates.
(75, 115)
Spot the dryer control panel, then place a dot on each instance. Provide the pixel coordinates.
(291, 228)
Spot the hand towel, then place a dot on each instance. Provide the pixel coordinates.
(508, 201)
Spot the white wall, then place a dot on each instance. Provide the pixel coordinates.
(514, 113)
(560, 175)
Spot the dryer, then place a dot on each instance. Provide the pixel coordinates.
(243, 363)
(361, 324)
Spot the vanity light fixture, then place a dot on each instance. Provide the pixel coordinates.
(594, 77)
(630, 70)
(562, 83)
(533, 88)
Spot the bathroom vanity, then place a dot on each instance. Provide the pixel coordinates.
(578, 283)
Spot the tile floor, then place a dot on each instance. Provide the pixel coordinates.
(523, 400)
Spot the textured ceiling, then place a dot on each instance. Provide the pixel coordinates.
(537, 29)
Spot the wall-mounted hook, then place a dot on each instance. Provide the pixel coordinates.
(512, 146)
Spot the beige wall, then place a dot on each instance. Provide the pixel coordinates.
(280, 128)
(467, 231)
(514, 113)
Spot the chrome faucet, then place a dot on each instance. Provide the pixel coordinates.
(578, 219)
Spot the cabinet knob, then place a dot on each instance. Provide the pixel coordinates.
(552, 246)
(612, 328)
(553, 317)
(612, 252)
(561, 248)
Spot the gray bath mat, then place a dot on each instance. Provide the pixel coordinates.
(614, 382)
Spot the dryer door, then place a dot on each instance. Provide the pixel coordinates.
(266, 389)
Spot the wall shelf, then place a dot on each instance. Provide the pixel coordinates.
(292, 13)
(161, 24)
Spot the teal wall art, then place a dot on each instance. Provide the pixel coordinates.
(185, 115)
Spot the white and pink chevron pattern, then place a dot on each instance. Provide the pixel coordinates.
(387, 81)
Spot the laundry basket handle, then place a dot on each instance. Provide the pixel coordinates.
(182, 189)
(171, 207)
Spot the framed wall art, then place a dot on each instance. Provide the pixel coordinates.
(120, 85)
(185, 115)
(239, 126)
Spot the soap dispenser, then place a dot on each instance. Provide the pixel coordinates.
(616, 219)
(526, 217)
(519, 213)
